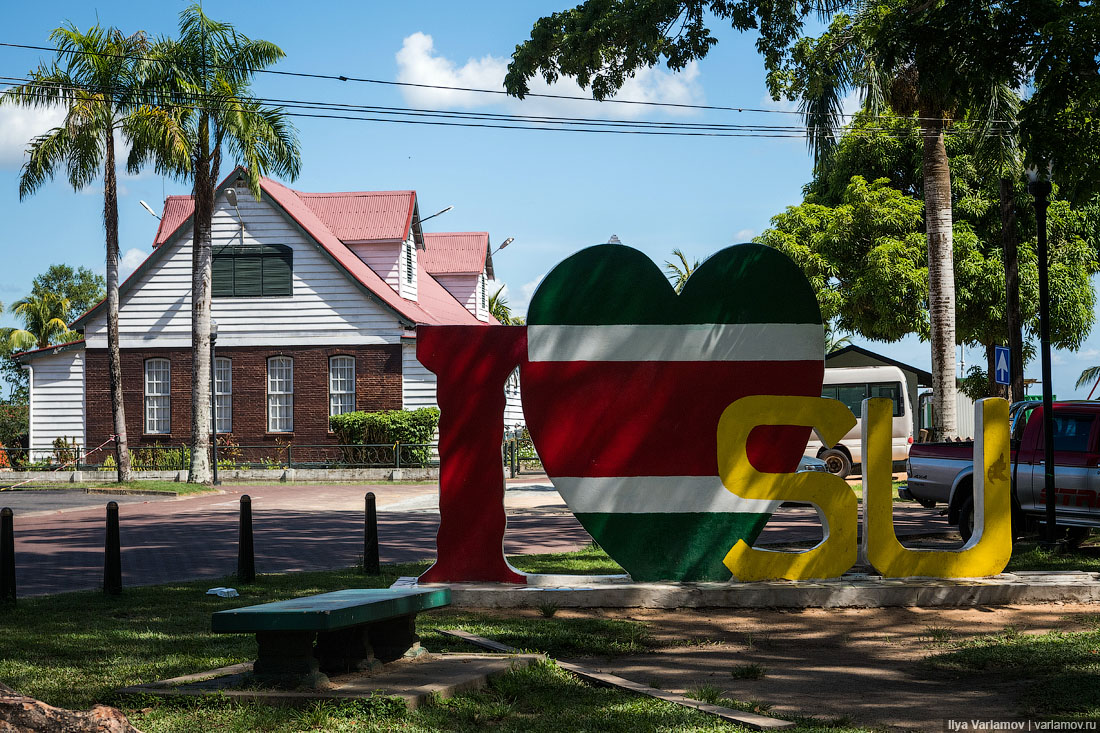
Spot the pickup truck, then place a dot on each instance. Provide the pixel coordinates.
(943, 473)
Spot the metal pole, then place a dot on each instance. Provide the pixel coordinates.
(1041, 191)
(7, 555)
(246, 551)
(370, 537)
(112, 553)
(214, 407)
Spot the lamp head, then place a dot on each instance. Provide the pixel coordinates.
(231, 196)
(505, 243)
(213, 329)
(149, 208)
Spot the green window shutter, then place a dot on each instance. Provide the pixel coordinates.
(277, 267)
(248, 275)
(222, 276)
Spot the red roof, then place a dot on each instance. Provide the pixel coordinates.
(177, 209)
(331, 219)
(358, 216)
(448, 253)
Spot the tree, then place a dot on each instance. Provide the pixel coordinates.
(202, 86)
(930, 58)
(44, 323)
(499, 308)
(94, 78)
(678, 273)
(82, 287)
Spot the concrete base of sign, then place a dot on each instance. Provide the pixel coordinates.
(853, 590)
(414, 681)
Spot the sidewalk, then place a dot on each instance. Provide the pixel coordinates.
(304, 527)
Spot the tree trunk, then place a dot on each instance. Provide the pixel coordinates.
(200, 324)
(992, 389)
(114, 355)
(1012, 289)
(941, 272)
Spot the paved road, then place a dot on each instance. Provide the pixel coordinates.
(298, 527)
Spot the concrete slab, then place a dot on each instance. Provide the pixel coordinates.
(855, 590)
(413, 681)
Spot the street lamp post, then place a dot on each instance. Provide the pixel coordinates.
(1041, 191)
(214, 398)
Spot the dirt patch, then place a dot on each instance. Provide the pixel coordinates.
(851, 664)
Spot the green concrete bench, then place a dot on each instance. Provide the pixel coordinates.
(355, 630)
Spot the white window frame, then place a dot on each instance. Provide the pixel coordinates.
(280, 394)
(341, 384)
(158, 396)
(223, 395)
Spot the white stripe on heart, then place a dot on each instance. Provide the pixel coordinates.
(655, 495)
(687, 342)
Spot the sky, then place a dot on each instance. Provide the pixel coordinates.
(554, 192)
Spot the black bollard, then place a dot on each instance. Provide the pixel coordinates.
(112, 553)
(7, 555)
(246, 551)
(370, 538)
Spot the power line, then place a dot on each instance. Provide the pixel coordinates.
(525, 122)
(443, 87)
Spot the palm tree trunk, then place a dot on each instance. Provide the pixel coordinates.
(200, 325)
(941, 271)
(1012, 288)
(114, 355)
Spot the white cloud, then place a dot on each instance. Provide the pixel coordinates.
(523, 300)
(20, 125)
(1087, 355)
(130, 261)
(419, 63)
(744, 235)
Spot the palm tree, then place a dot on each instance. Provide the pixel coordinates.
(498, 306)
(908, 57)
(201, 82)
(678, 274)
(1092, 374)
(835, 341)
(43, 319)
(94, 79)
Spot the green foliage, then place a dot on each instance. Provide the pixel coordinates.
(386, 427)
(81, 287)
(862, 244)
(44, 323)
(13, 426)
(500, 310)
(679, 272)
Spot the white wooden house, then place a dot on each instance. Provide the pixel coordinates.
(317, 297)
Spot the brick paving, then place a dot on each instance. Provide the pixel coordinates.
(303, 527)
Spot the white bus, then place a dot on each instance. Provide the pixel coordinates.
(852, 385)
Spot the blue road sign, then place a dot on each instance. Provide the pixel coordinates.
(1000, 361)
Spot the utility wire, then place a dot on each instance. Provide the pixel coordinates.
(524, 122)
(443, 87)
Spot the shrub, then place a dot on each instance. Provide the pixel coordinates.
(386, 427)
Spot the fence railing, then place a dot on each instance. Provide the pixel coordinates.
(518, 455)
(230, 457)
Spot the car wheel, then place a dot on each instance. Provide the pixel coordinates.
(837, 462)
(966, 519)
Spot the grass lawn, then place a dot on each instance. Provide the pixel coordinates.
(1062, 668)
(76, 649)
(160, 486)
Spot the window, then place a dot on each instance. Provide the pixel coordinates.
(341, 385)
(252, 270)
(280, 394)
(223, 395)
(484, 296)
(852, 395)
(158, 396)
(1071, 433)
(410, 269)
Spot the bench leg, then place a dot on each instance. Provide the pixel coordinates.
(286, 659)
(395, 638)
(346, 650)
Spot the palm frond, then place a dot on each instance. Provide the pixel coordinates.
(1090, 375)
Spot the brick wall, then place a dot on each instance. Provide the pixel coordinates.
(377, 377)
